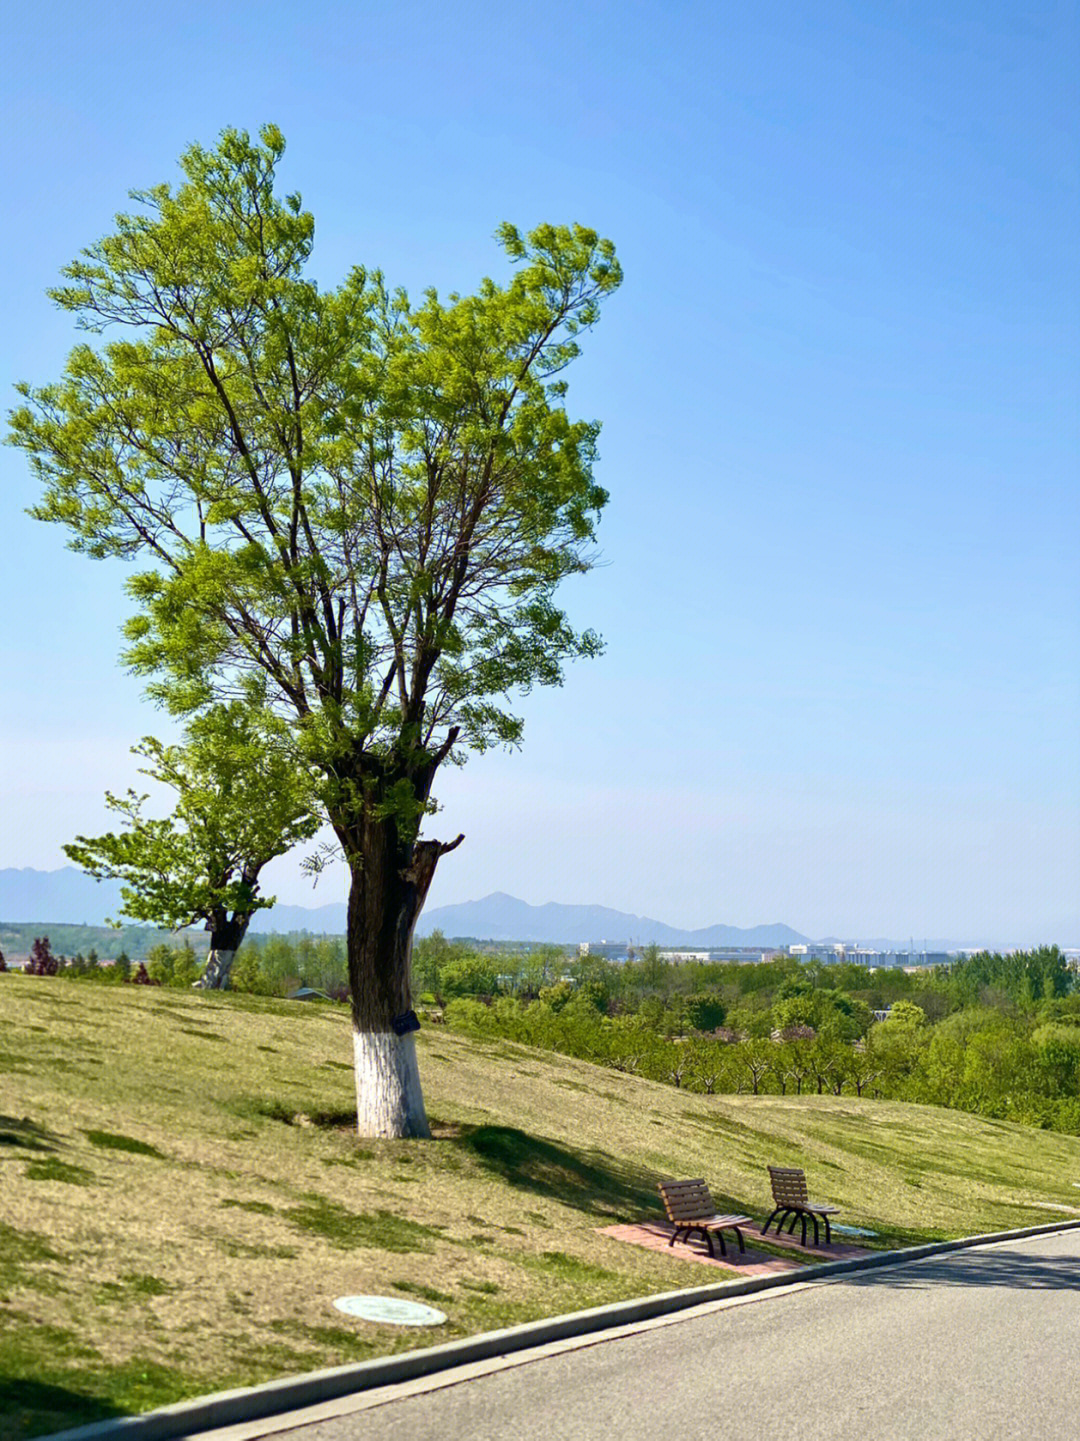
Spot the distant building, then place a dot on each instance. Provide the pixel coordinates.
(837, 953)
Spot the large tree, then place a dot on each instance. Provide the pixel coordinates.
(241, 800)
(348, 508)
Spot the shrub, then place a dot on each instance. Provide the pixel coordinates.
(470, 976)
(705, 1012)
(42, 961)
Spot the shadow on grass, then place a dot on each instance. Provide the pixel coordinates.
(588, 1180)
(25, 1134)
(36, 1408)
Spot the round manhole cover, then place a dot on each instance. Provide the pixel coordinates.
(390, 1310)
(854, 1231)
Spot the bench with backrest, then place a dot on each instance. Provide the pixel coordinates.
(790, 1199)
(689, 1208)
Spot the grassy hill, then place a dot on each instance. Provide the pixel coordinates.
(183, 1198)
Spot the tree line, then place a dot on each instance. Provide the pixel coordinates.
(995, 1034)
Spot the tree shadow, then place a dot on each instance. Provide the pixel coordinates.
(588, 1180)
(978, 1267)
(25, 1134)
(33, 1408)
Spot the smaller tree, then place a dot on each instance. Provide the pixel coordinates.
(242, 799)
(705, 1012)
(160, 964)
(3, 963)
(905, 1015)
(653, 967)
(42, 962)
(754, 1061)
(429, 955)
(469, 976)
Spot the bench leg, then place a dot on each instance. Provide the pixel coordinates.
(707, 1239)
(674, 1237)
(817, 1234)
(768, 1223)
(828, 1231)
(802, 1218)
(738, 1234)
(720, 1238)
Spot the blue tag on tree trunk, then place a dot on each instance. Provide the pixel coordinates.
(402, 1025)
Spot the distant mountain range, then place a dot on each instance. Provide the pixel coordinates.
(500, 917)
(68, 896)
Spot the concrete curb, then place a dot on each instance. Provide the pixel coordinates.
(226, 1408)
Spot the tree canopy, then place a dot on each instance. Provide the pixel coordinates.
(353, 506)
(241, 800)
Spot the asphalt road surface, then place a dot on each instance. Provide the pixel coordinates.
(981, 1343)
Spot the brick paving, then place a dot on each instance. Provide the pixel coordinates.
(655, 1236)
(837, 1251)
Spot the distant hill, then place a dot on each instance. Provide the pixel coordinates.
(68, 895)
(63, 897)
(500, 917)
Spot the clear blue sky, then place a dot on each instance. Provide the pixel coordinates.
(839, 395)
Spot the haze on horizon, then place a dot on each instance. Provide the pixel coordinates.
(838, 390)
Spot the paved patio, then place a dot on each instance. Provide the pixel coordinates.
(656, 1235)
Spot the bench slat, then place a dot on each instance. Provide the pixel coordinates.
(689, 1203)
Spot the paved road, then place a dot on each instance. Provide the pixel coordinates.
(972, 1346)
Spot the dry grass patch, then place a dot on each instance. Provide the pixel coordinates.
(211, 1200)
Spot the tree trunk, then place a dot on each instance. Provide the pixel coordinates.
(389, 884)
(225, 938)
(215, 976)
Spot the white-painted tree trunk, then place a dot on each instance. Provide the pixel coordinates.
(216, 975)
(389, 1101)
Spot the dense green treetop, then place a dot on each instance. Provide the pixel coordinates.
(346, 506)
(241, 800)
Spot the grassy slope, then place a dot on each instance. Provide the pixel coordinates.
(181, 1198)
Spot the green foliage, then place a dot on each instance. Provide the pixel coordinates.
(275, 965)
(802, 1033)
(175, 966)
(906, 1015)
(825, 1009)
(429, 955)
(469, 976)
(557, 996)
(755, 1022)
(350, 510)
(241, 801)
(1023, 977)
(705, 1012)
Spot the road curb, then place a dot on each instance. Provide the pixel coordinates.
(227, 1408)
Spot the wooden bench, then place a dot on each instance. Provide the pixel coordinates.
(689, 1208)
(791, 1199)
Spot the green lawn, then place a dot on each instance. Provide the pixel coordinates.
(181, 1196)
